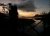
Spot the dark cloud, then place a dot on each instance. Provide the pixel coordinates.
(25, 5)
(28, 5)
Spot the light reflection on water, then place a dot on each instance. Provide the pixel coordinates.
(39, 28)
(37, 21)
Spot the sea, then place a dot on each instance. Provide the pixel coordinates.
(38, 28)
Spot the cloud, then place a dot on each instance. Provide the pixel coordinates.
(24, 5)
(27, 5)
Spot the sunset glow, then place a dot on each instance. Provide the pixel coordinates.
(22, 14)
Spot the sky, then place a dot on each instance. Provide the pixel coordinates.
(42, 5)
(36, 6)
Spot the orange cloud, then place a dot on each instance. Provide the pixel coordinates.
(23, 14)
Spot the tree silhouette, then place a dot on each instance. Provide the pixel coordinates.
(46, 21)
(43, 13)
